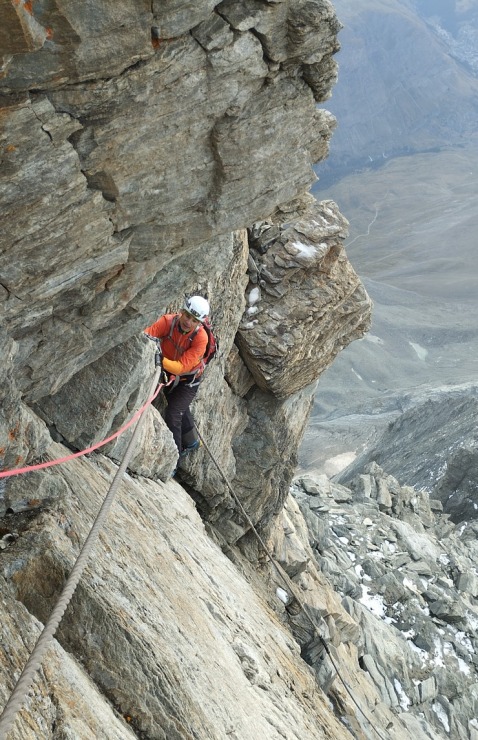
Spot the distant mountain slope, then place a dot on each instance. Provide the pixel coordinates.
(406, 80)
(403, 168)
(433, 446)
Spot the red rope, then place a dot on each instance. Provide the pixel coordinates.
(39, 466)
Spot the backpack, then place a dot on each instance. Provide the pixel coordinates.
(212, 346)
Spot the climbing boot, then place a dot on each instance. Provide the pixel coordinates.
(190, 448)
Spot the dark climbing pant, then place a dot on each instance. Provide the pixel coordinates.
(178, 416)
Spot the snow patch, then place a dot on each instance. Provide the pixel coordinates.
(282, 595)
(373, 602)
(442, 715)
(421, 351)
(359, 571)
(464, 640)
(464, 667)
(254, 296)
(304, 250)
(402, 697)
(411, 586)
(388, 547)
(336, 464)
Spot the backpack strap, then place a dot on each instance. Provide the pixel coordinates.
(192, 374)
(172, 327)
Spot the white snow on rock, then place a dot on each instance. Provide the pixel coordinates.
(373, 602)
(282, 595)
(402, 697)
(442, 715)
(254, 296)
(305, 250)
(421, 351)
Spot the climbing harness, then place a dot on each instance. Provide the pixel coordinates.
(288, 583)
(23, 684)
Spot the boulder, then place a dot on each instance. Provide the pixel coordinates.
(290, 331)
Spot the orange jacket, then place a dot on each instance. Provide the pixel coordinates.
(183, 352)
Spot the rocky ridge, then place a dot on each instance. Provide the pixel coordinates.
(431, 445)
(147, 151)
(407, 577)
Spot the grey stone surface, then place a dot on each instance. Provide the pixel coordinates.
(139, 142)
(290, 330)
(398, 577)
(50, 48)
(103, 398)
(62, 696)
(168, 629)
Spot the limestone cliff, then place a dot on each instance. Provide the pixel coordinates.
(148, 150)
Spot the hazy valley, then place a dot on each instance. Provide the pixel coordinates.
(413, 226)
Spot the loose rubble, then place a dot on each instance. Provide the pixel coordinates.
(407, 576)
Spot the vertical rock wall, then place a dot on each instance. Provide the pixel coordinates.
(146, 148)
(136, 140)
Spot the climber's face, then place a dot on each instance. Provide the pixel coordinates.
(187, 322)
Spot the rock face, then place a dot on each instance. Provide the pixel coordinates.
(433, 446)
(147, 178)
(145, 149)
(163, 623)
(305, 302)
(407, 577)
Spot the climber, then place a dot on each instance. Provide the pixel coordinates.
(183, 345)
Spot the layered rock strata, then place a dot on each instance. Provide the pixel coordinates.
(142, 146)
(406, 576)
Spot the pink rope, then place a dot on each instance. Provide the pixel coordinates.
(50, 463)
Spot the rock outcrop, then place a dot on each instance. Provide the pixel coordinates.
(142, 146)
(304, 301)
(407, 577)
(432, 445)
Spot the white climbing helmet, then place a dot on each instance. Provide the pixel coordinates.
(197, 306)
